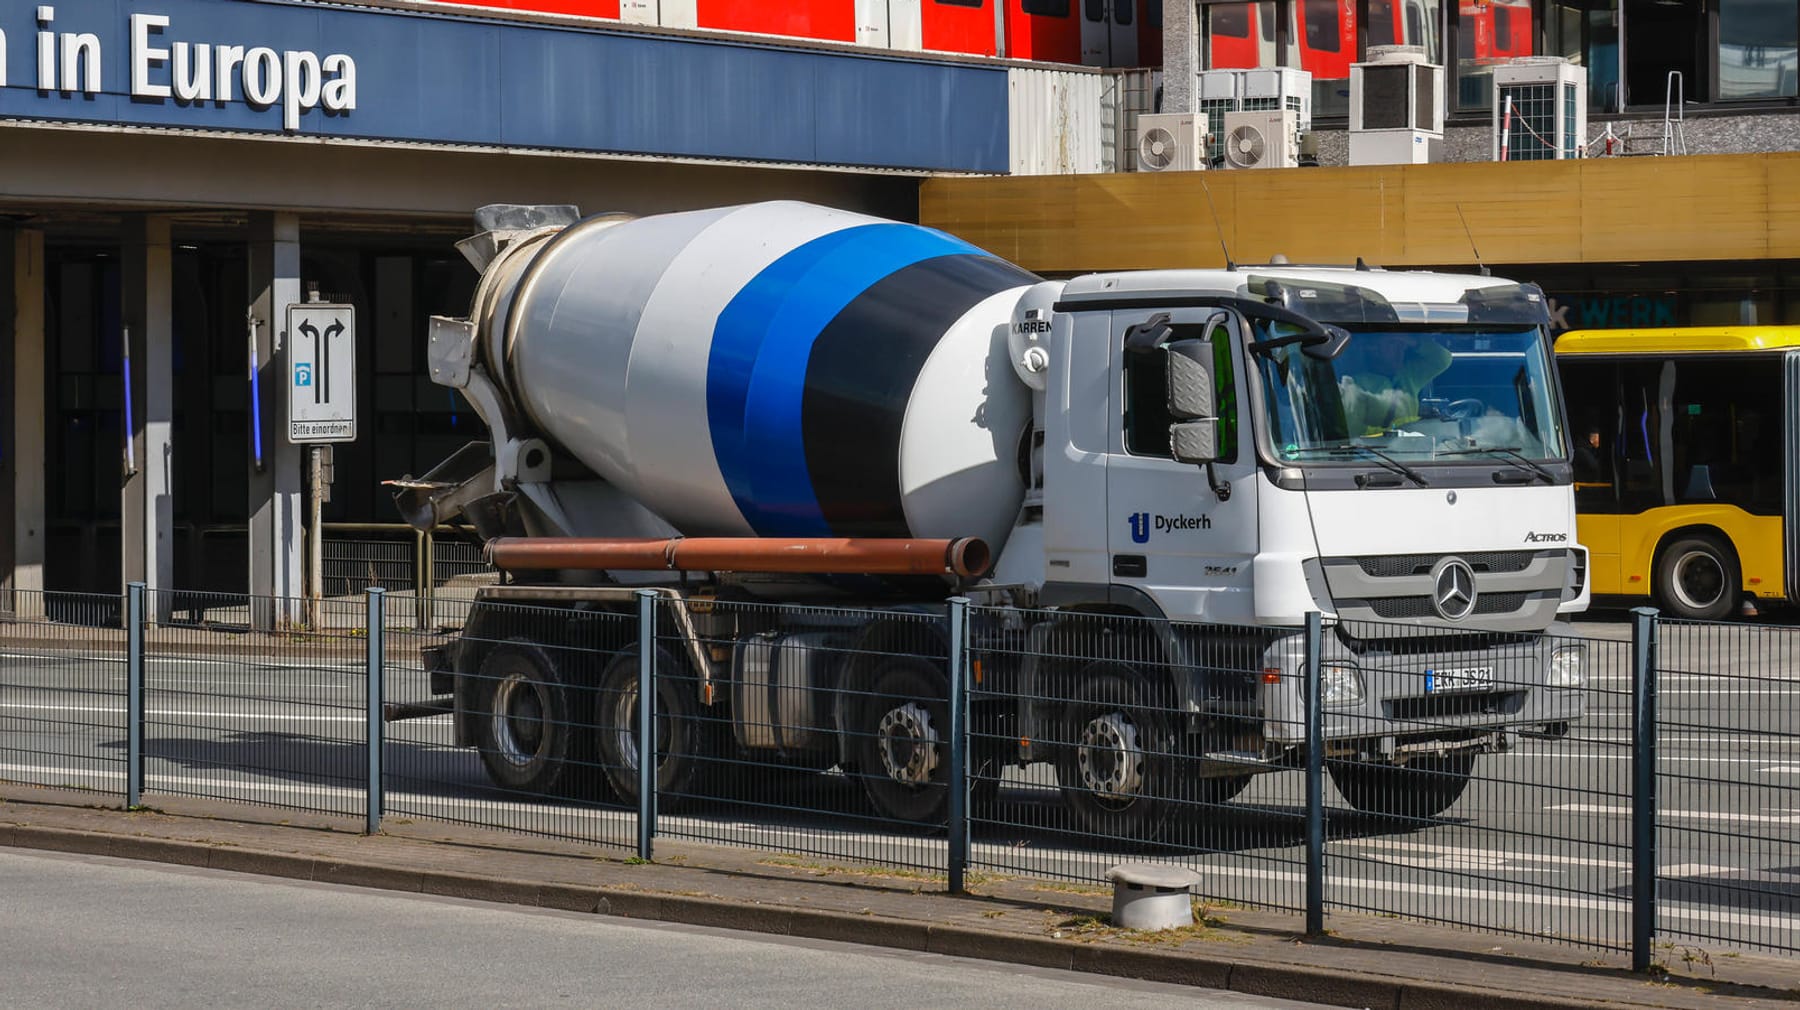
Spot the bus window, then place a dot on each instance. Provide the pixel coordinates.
(1727, 447)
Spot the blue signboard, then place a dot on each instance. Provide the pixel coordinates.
(253, 66)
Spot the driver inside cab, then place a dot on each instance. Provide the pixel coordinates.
(1382, 391)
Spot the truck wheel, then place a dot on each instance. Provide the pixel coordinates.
(1424, 787)
(682, 733)
(523, 725)
(1697, 579)
(901, 748)
(1115, 758)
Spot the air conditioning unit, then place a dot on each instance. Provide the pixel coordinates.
(1222, 91)
(1540, 109)
(1396, 108)
(1266, 139)
(1171, 142)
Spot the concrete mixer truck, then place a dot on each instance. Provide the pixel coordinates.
(782, 403)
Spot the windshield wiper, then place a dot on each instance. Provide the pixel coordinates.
(1387, 461)
(1512, 455)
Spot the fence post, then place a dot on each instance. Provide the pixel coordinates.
(959, 743)
(375, 642)
(134, 695)
(422, 580)
(1315, 779)
(1643, 786)
(646, 735)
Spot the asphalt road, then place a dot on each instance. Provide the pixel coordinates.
(153, 936)
(1539, 845)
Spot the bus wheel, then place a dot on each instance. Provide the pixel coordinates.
(1697, 579)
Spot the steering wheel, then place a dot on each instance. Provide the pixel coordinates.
(1462, 410)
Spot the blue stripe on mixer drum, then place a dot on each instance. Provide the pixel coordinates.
(862, 373)
(757, 369)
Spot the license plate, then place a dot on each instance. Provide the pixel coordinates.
(1461, 678)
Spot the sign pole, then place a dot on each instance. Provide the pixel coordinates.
(321, 388)
(315, 511)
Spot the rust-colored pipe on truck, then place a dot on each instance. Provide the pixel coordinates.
(964, 556)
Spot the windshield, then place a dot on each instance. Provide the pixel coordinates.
(1416, 394)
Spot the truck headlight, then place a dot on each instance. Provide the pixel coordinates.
(1340, 686)
(1568, 667)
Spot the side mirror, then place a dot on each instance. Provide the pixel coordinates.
(1191, 380)
(1195, 441)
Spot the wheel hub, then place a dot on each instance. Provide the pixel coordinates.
(909, 750)
(1699, 580)
(1111, 762)
(518, 719)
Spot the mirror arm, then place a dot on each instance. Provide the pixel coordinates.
(1220, 488)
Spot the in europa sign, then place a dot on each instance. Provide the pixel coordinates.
(70, 63)
(337, 71)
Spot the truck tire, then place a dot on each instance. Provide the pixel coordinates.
(1115, 758)
(900, 741)
(1697, 579)
(684, 736)
(1423, 788)
(525, 724)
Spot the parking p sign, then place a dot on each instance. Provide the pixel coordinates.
(321, 344)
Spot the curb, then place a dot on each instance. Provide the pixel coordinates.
(1279, 981)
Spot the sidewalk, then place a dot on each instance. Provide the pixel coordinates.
(1364, 962)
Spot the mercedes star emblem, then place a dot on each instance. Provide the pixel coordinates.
(1453, 589)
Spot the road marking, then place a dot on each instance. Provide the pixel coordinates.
(1684, 815)
(1694, 870)
(1486, 854)
(177, 713)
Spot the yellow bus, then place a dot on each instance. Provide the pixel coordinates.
(1685, 463)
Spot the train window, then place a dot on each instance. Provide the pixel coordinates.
(1322, 35)
(1503, 28)
(1230, 21)
(1153, 13)
(1096, 10)
(1381, 22)
(1045, 8)
(1265, 12)
(1122, 11)
(961, 3)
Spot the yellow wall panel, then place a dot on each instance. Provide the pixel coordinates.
(1604, 210)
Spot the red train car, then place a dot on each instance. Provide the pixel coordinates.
(1494, 30)
(1111, 33)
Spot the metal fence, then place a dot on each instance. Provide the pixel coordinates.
(62, 690)
(1316, 769)
(520, 757)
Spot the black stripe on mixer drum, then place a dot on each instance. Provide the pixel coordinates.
(861, 372)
